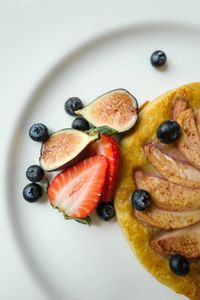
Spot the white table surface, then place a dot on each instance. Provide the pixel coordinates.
(34, 35)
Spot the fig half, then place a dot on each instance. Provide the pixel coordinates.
(117, 109)
(64, 148)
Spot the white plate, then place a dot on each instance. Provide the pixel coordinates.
(70, 260)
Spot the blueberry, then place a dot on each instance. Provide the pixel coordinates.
(105, 211)
(38, 132)
(140, 199)
(179, 265)
(34, 173)
(158, 58)
(32, 192)
(168, 132)
(73, 104)
(80, 124)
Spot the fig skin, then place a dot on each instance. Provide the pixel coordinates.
(117, 109)
(64, 162)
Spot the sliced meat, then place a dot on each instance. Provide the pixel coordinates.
(180, 104)
(167, 195)
(167, 220)
(198, 120)
(185, 241)
(175, 171)
(189, 142)
(172, 151)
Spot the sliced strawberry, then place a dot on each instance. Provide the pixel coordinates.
(77, 190)
(108, 147)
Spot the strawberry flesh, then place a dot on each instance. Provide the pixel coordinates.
(108, 147)
(77, 190)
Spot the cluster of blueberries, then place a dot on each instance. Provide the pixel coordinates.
(34, 191)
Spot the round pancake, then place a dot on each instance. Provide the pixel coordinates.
(138, 235)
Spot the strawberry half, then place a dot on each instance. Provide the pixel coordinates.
(77, 190)
(108, 147)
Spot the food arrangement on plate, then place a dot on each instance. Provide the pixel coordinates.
(88, 156)
(142, 163)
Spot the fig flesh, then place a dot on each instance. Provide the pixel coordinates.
(117, 109)
(64, 148)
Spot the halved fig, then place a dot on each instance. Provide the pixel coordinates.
(64, 148)
(167, 220)
(117, 109)
(185, 241)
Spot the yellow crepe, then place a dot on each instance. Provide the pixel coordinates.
(138, 235)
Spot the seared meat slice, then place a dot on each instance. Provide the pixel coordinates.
(163, 219)
(185, 241)
(167, 195)
(197, 115)
(189, 142)
(180, 104)
(175, 171)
